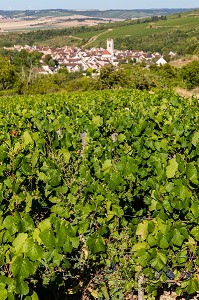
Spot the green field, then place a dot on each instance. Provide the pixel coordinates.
(135, 31)
(96, 190)
(172, 34)
(186, 22)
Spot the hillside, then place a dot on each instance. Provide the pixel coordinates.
(178, 32)
(121, 13)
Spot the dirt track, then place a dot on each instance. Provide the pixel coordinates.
(93, 38)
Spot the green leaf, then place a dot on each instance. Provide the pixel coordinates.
(22, 288)
(163, 243)
(143, 257)
(195, 209)
(97, 120)
(48, 238)
(11, 224)
(42, 176)
(75, 242)
(106, 166)
(3, 292)
(142, 229)
(68, 246)
(191, 172)
(181, 257)
(139, 246)
(121, 137)
(193, 286)
(54, 178)
(195, 138)
(45, 224)
(57, 258)
(152, 240)
(178, 238)
(105, 292)
(66, 155)
(17, 147)
(153, 205)
(34, 296)
(94, 294)
(32, 250)
(35, 158)
(36, 236)
(170, 187)
(86, 210)
(28, 203)
(172, 168)
(19, 242)
(83, 226)
(159, 262)
(195, 232)
(115, 181)
(27, 138)
(22, 267)
(96, 243)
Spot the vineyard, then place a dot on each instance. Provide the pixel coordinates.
(99, 195)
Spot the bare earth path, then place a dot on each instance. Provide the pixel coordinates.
(188, 94)
(93, 38)
(75, 37)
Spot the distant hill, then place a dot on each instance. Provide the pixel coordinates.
(134, 13)
(121, 14)
(177, 32)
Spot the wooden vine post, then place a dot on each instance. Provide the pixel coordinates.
(140, 287)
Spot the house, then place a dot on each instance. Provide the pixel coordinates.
(47, 69)
(161, 61)
(106, 54)
(172, 54)
(76, 59)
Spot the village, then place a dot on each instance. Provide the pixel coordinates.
(76, 59)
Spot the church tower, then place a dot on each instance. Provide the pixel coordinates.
(110, 46)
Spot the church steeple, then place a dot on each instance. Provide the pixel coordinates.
(110, 46)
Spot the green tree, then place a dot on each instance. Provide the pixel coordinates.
(50, 61)
(8, 75)
(111, 77)
(190, 74)
(106, 78)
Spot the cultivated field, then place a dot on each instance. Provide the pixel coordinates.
(49, 22)
(185, 22)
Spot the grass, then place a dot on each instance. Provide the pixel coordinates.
(26, 29)
(61, 41)
(87, 35)
(186, 22)
(137, 30)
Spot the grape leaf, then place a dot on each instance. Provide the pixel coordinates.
(172, 168)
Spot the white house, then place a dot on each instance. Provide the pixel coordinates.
(161, 61)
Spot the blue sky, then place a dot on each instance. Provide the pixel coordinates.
(96, 4)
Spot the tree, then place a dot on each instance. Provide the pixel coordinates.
(106, 78)
(50, 61)
(8, 74)
(154, 18)
(190, 74)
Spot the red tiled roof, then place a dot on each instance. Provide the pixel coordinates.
(106, 52)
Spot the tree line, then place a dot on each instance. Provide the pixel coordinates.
(17, 76)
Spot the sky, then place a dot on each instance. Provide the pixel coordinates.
(96, 4)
